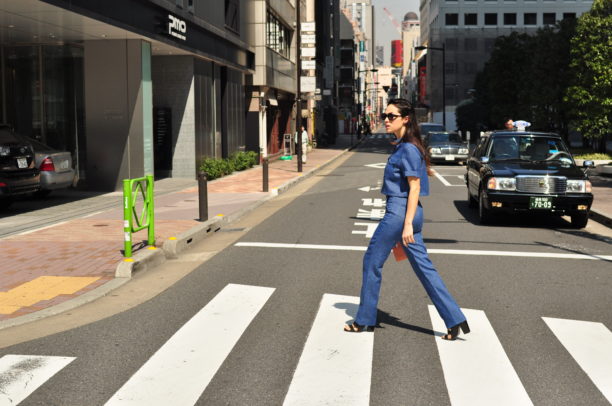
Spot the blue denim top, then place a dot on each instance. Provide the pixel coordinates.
(406, 160)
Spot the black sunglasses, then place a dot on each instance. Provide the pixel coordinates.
(391, 116)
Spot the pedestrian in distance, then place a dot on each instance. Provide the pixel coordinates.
(405, 179)
(508, 124)
(304, 142)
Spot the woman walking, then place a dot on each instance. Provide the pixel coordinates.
(405, 180)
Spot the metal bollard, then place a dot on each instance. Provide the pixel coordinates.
(202, 196)
(265, 174)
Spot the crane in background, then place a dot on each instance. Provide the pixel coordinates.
(397, 25)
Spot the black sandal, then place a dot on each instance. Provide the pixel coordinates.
(453, 332)
(354, 327)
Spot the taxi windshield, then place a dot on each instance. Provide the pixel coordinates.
(444, 137)
(528, 147)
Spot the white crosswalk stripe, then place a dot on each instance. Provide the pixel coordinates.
(476, 369)
(180, 370)
(590, 344)
(335, 366)
(20, 375)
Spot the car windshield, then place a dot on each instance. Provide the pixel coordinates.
(529, 147)
(444, 137)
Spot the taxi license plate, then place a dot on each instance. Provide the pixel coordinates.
(64, 164)
(22, 163)
(540, 202)
(449, 157)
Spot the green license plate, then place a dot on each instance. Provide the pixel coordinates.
(540, 202)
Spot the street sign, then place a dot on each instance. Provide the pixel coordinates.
(306, 65)
(307, 26)
(326, 92)
(309, 52)
(308, 84)
(308, 39)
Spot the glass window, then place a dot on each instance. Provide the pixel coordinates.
(451, 44)
(470, 67)
(509, 18)
(491, 19)
(567, 16)
(530, 19)
(470, 19)
(549, 18)
(232, 15)
(489, 43)
(278, 36)
(452, 19)
(450, 67)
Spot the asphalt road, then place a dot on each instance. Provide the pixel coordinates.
(514, 301)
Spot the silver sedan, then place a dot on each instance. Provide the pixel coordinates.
(55, 167)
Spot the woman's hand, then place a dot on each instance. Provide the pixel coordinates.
(407, 235)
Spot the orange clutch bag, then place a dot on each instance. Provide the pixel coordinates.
(398, 252)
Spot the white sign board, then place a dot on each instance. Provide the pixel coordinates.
(308, 84)
(309, 52)
(306, 65)
(307, 26)
(326, 92)
(308, 39)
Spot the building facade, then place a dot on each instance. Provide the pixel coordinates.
(467, 30)
(129, 87)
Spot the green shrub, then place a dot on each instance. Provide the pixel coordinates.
(238, 161)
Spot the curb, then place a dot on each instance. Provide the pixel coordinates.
(173, 247)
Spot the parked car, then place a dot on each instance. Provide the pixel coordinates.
(446, 146)
(519, 171)
(18, 173)
(425, 128)
(55, 167)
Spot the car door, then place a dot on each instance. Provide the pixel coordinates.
(473, 166)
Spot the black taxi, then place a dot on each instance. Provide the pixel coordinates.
(522, 171)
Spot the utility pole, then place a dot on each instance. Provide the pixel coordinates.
(298, 94)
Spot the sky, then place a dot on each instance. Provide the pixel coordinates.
(385, 31)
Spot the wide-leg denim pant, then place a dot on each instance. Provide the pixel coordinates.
(388, 233)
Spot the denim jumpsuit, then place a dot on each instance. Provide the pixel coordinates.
(406, 160)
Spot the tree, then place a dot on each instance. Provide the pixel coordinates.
(590, 93)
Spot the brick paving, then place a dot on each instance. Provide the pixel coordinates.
(92, 246)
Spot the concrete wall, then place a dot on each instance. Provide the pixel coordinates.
(115, 121)
(173, 87)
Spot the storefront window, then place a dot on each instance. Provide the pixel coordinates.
(43, 95)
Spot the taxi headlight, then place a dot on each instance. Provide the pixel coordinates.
(436, 151)
(578, 186)
(463, 151)
(5, 151)
(501, 184)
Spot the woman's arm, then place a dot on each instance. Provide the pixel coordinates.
(413, 200)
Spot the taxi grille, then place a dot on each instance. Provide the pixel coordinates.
(541, 184)
(449, 150)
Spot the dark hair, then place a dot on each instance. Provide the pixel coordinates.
(413, 133)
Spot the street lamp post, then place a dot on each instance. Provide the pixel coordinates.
(421, 48)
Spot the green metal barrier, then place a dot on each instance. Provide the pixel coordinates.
(131, 189)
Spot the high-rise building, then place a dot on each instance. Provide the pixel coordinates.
(362, 12)
(380, 55)
(411, 34)
(467, 30)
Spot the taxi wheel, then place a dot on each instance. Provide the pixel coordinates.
(580, 220)
(484, 216)
(470, 199)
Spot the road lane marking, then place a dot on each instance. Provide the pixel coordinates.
(180, 370)
(335, 367)
(431, 251)
(20, 375)
(368, 232)
(441, 179)
(42, 288)
(590, 344)
(476, 368)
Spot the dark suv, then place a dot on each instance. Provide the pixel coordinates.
(18, 174)
(514, 171)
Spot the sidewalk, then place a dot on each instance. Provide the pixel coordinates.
(43, 270)
(53, 269)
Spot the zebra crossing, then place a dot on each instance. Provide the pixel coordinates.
(335, 368)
